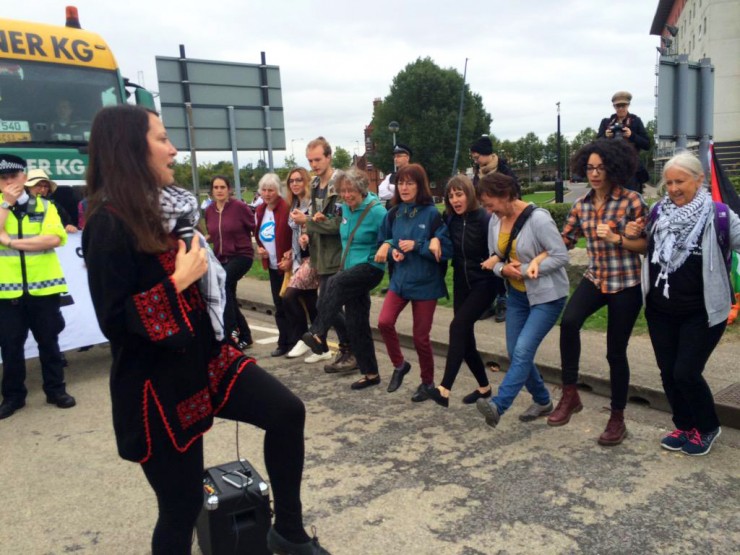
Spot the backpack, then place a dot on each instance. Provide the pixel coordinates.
(721, 228)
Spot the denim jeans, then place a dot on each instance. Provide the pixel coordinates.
(526, 327)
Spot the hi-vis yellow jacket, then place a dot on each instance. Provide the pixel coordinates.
(38, 273)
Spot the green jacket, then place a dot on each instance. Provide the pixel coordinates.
(365, 242)
(325, 244)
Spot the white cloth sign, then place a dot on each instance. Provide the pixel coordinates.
(81, 327)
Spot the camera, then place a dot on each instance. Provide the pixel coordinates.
(617, 129)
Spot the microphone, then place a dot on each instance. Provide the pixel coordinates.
(185, 230)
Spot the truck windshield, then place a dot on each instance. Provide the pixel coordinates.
(48, 104)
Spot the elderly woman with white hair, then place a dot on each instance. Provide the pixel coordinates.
(688, 295)
(362, 216)
(274, 245)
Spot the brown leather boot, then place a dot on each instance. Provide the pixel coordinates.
(569, 404)
(615, 431)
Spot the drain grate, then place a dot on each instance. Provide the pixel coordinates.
(729, 396)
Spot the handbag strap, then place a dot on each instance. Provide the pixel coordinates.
(357, 226)
(516, 228)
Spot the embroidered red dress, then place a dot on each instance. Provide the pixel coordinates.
(167, 364)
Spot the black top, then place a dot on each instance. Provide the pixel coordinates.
(469, 234)
(686, 285)
(167, 364)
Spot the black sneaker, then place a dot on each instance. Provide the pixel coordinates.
(500, 311)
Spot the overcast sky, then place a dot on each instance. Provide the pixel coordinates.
(336, 57)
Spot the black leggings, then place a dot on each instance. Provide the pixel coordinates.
(236, 268)
(257, 398)
(624, 307)
(300, 305)
(469, 304)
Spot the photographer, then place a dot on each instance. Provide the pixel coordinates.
(628, 127)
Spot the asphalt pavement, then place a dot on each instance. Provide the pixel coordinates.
(383, 475)
(645, 385)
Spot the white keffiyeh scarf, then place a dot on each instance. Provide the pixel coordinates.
(677, 231)
(177, 203)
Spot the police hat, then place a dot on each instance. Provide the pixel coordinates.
(10, 163)
(402, 149)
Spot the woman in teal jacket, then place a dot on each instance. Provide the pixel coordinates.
(362, 214)
(414, 234)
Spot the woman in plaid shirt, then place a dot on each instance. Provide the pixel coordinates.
(612, 277)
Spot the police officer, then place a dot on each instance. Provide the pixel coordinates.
(401, 157)
(31, 281)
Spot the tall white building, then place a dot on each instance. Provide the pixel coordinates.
(709, 29)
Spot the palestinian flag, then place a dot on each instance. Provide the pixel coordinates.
(723, 191)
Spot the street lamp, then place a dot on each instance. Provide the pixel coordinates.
(393, 127)
(558, 174)
(292, 150)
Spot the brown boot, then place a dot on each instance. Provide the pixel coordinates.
(615, 431)
(569, 404)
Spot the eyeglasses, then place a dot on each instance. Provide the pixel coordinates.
(295, 180)
(406, 183)
(597, 169)
(621, 105)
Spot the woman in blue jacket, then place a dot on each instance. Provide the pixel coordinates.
(415, 236)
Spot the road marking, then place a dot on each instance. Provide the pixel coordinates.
(260, 328)
(266, 340)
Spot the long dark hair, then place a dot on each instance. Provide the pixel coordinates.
(119, 176)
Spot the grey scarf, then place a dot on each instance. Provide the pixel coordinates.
(177, 203)
(677, 231)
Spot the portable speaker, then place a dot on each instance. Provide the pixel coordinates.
(236, 511)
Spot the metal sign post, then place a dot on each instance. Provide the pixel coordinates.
(228, 106)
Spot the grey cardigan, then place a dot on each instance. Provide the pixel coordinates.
(717, 289)
(538, 234)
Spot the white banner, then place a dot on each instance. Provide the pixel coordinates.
(81, 327)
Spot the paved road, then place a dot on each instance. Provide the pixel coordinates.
(384, 475)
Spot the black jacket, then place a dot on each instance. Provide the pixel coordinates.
(469, 234)
(639, 138)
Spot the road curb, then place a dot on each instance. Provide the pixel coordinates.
(729, 414)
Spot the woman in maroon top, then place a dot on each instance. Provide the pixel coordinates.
(230, 224)
(274, 246)
(170, 376)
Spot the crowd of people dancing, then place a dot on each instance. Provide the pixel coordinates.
(170, 312)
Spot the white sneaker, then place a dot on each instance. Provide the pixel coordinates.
(298, 350)
(313, 357)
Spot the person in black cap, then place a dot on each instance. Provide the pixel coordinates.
(29, 288)
(623, 125)
(401, 157)
(485, 162)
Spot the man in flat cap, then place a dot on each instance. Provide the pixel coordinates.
(628, 127)
(31, 280)
(401, 157)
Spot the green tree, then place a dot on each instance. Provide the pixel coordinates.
(341, 158)
(425, 99)
(290, 161)
(550, 152)
(648, 156)
(528, 150)
(583, 137)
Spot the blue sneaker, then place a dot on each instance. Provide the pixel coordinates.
(700, 444)
(676, 439)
